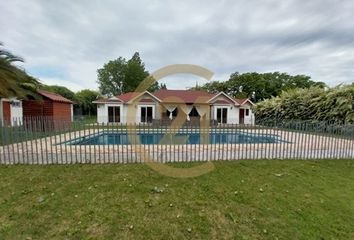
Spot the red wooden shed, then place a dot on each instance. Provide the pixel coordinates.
(52, 106)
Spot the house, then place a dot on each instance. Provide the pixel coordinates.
(52, 106)
(145, 107)
(10, 111)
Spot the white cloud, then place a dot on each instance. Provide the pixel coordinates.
(76, 38)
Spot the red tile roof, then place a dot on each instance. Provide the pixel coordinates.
(126, 97)
(185, 96)
(54, 97)
(175, 96)
(242, 100)
(107, 100)
(222, 102)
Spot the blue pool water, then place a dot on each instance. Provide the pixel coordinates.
(158, 138)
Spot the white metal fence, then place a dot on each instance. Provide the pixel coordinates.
(47, 141)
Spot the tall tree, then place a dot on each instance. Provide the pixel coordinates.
(120, 76)
(213, 87)
(15, 81)
(111, 78)
(135, 73)
(259, 86)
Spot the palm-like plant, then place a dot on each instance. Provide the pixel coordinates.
(13, 80)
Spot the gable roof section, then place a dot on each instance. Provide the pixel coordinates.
(54, 97)
(222, 101)
(225, 95)
(180, 96)
(108, 100)
(126, 98)
(242, 101)
(237, 101)
(183, 96)
(135, 95)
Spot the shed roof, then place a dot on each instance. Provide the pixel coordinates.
(54, 96)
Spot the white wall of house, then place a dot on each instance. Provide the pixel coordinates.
(250, 119)
(140, 103)
(232, 109)
(159, 110)
(124, 112)
(102, 112)
(16, 110)
(232, 112)
(138, 111)
(234, 115)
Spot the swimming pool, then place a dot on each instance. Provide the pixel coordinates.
(109, 138)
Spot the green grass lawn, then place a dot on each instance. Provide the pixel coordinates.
(239, 200)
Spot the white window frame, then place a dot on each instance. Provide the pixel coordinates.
(145, 106)
(227, 114)
(114, 115)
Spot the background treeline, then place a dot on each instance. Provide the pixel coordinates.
(279, 96)
(16, 82)
(115, 77)
(335, 105)
(259, 86)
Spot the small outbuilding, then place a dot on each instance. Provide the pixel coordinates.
(52, 106)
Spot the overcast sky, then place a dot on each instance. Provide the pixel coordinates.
(65, 42)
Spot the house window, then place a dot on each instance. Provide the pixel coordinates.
(221, 115)
(113, 114)
(146, 114)
(194, 113)
(16, 104)
(247, 112)
(174, 113)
